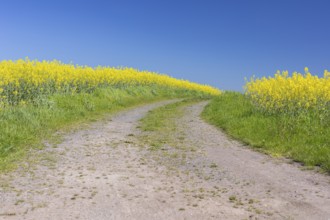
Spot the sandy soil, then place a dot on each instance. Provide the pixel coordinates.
(106, 171)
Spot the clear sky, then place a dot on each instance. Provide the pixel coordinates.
(216, 42)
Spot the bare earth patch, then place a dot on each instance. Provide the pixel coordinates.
(107, 172)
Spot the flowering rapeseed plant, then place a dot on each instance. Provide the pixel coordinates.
(285, 93)
(25, 80)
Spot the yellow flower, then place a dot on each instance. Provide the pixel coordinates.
(34, 77)
(290, 93)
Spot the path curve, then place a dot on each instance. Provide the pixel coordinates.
(281, 188)
(106, 172)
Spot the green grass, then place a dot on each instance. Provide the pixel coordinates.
(25, 127)
(160, 124)
(303, 137)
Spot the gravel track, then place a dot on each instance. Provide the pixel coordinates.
(106, 171)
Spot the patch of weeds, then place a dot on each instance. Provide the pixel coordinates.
(213, 165)
(39, 205)
(8, 214)
(155, 146)
(232, 198)
(174, 155)
(307, 168)
(257, 211)
(19, 201)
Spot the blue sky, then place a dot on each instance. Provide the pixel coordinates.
(216, 42)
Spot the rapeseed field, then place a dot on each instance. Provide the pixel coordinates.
(24, 81)
(295, 93)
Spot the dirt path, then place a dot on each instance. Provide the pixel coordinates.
(107, 172)
(276, 188)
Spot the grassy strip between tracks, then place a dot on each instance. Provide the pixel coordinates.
(160, 124)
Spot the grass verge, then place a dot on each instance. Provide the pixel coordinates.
(302, 138)
(25, 127)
